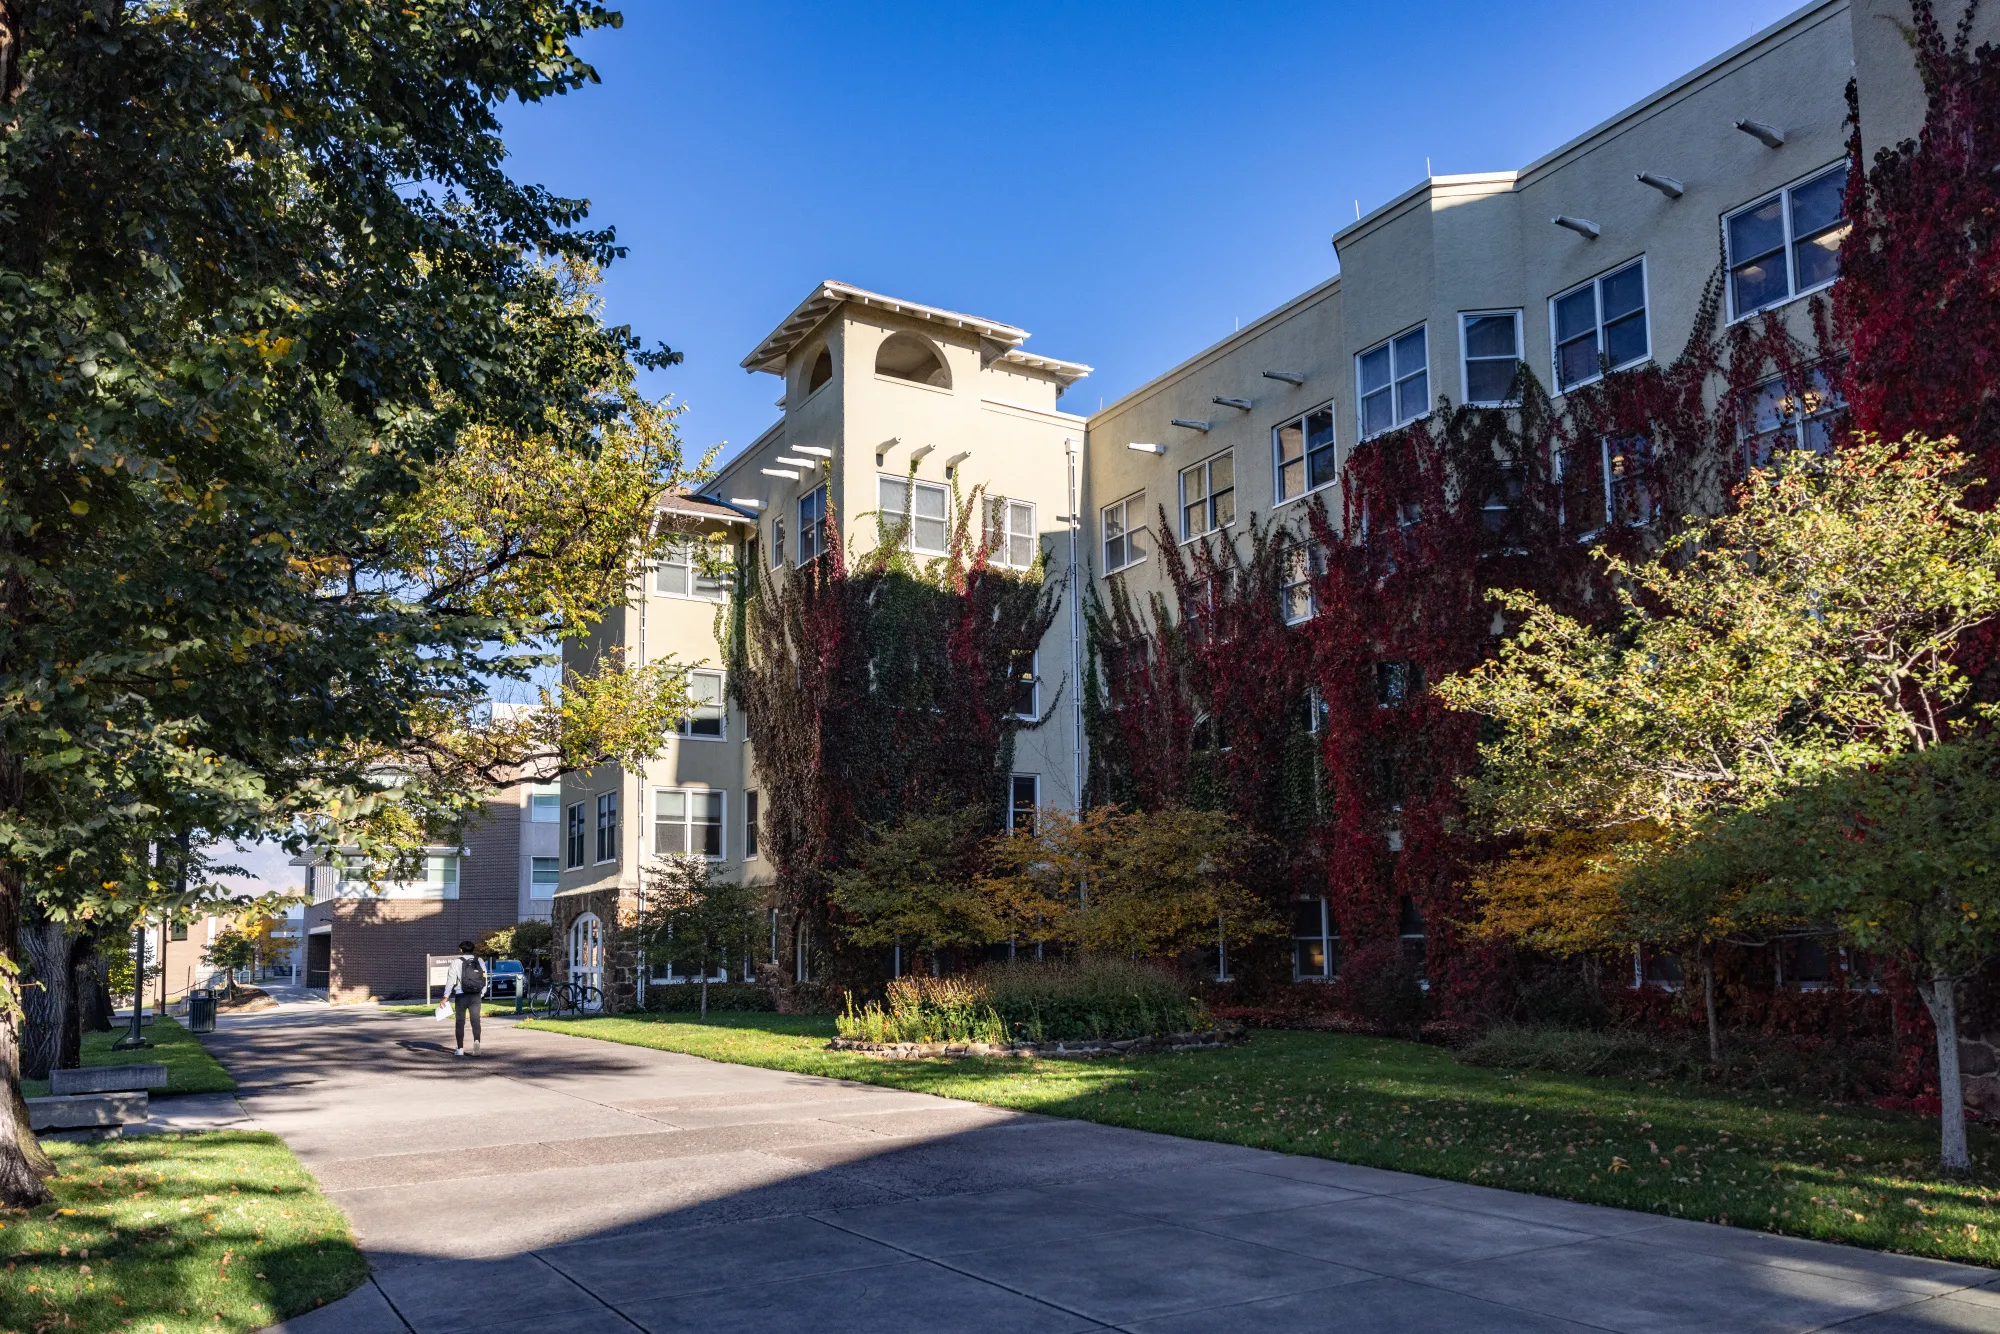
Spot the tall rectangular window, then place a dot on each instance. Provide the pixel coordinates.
(1024, 796)
(1393, 382)
(1787, 244)
(1024, 683)
(1628, 483)
(777, 543)
(1208, 495)
(1491, 343)
(687, 822)
(812, 525)
(607, 827)
(574, 835)
(1123, 524)
(1600, 325)
(1775, 418)
(1315, 948)
(544, 876)
(1303, 563)
(710, 716)
(750, 830)
(1010, 532)
(1306, 457)
(919, 511)
(544, 807)
(687, 571)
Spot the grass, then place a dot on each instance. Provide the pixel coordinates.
(190, 1069)
(1799, 1167)
(216, 1231)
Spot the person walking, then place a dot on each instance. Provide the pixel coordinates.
(464, 984)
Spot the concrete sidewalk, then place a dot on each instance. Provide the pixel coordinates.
(566, 1186)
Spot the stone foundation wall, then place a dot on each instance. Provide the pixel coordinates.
(616, 910)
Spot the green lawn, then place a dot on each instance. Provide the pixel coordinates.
(190, 1069)
(1836, 1173)
(217, 1231)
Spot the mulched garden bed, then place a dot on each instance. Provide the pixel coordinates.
(1073, 1049)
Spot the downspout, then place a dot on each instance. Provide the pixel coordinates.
(638, 822)
(1074, 454)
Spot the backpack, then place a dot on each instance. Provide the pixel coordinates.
(471, 977)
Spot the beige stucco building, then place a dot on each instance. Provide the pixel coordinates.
(1600, 251)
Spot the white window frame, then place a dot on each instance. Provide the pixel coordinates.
(683, 727)
(1125, 508)
(1306, 453)
(1206, 468)
(576, 836)
(534, 867)
(1015, 522)
(1595, 282)
(1465, 357)
(1329, 967)
(910, 486)
(550, 801)
(1034, 684)
(1304, 562)
(1831, 404)
(688, 823)
(777, 543)
(681, 555)
(1611, 517)
(1397, 379)
(1014, 782)
(1793, 291)
(606, 802)
(812, 533)
(753, 832)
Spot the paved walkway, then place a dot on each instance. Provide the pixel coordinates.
(565, 1186)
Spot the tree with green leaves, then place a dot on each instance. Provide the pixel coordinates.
(1812, 628)
(692, 922)
(309, 426)
(1901, 855)
(914, 883)
(229, 949)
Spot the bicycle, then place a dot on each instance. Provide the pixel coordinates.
(574, 998)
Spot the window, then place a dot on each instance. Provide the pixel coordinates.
(1024, 683)
(812, 525)
(437, 879)
(1775, 418)
(575, 835)
(1307, 459)
(1600, 326)
(1303, 563)
(821, 372)
(1786, 245)
(543, 878)
(1315, 947)
(607, 827)
(908, 357)
(1010, 532)
(918, 511)
(1024, 795)
(1628, 486)
(687, 822)
(1124, 526)
(680, 574)
(777, 543)
(671, 974)
(544, 807)
(179, 931)
(711, 707)
(1397, 683)
(1394, 382)
(1499, 515)
(1413, 933)
(1208, 495)
(750, 823)
(1491, 341)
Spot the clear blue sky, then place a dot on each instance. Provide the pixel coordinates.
(1126, 181)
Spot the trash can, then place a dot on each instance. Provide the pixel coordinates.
(201, 1011)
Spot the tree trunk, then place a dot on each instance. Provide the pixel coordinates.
(45, 997)
(91, 980)
(1941, 999)
(23, 1165)
(1708, 1004)
(704, 993)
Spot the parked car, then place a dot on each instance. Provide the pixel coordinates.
(505, 978)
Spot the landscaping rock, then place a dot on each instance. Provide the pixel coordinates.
(80, 1111)
(1222, 1036)
(107, 1079)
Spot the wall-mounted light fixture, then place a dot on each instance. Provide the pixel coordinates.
(1289, 377)
(1768, 135)
(917, 454)
(1666, 185)
(1242, 403)
(951, 464)
(1191, 425)
(1583, 227)
(1145, 448)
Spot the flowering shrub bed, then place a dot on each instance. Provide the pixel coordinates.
(1029, 1001)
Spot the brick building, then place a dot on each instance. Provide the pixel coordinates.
(366, 940)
